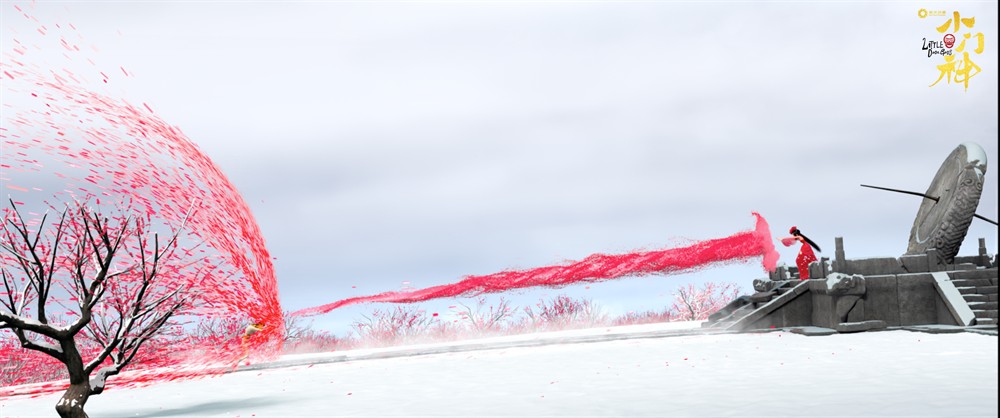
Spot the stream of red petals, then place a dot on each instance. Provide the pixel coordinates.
(742, 246)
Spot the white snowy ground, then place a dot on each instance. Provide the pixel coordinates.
(889, 373)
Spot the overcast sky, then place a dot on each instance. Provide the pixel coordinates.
(383, 142)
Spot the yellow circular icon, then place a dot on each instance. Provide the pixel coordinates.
(922, 13)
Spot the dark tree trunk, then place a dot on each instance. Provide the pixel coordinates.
(72, 402)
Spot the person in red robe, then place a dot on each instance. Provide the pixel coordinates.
(806, 254)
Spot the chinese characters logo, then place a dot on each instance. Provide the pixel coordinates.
(958, 64)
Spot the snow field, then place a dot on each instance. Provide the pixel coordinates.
(889, 373)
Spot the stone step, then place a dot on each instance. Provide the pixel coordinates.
(734, 316)
(967, 290)
(971, 282)
(742, 311)
(986, 321)
(974, 274)
(992, 298)
(986, 290)
(985, 314)
(786, 289)
(762, 297)
(973, 297)
(983, 306)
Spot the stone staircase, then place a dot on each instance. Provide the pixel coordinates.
(979, 289)
(745, 305)
(729, 318)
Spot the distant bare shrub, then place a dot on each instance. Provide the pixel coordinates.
(483, 319)
(645, 317)
(404, 324)
(695, 304)
(564, 312)
(301, 338)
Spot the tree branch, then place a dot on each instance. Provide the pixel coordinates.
(43, 347)
(25, 324)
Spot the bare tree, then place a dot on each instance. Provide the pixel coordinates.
(482, 319)
(389, 327)
(295, 327)
(113, 277)
(301, 338)
(565, 312)
(694, 304)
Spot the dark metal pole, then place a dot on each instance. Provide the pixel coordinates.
(903, 191)
(926, 197)
(986, 219)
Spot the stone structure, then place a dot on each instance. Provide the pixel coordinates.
(929, 285)
(945, 214)
(862, 294)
